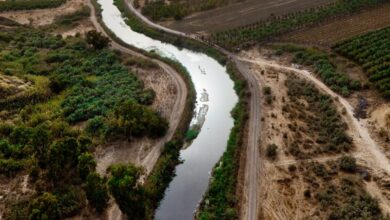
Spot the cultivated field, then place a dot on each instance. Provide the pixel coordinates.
(331, 32)
(240, 14)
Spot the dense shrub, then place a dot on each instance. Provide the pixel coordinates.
(97, 192)
(129, 195)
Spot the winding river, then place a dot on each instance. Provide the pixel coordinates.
(215, 100)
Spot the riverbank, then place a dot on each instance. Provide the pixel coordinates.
(162, 172)
(221, 197)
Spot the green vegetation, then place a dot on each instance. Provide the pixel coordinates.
(128, 194)
(38, 134)
(178, 9)
(11, 5)
(318, 119)
(372, 51)
(324, 67)
(248, 35)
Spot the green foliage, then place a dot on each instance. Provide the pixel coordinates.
(45, 206)
(128, 194)
(11, 5)
(272, 151)
(250, 34)
(372, 51)
(97, 40)
(86, 165)
(191, 134)
(97, 192)
(86, 85)
(134, 120)
(348, 164)
(324, 68)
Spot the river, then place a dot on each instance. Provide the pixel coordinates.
(215, 100)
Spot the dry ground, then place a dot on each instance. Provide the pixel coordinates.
(281, 192)
(240, 14)
(41, 17)
(335, 30)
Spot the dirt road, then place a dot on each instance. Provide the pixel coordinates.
(249, 200)
(362, 133)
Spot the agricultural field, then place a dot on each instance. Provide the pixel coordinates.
(239, 14)
(328, 33)
(177, 9)
(246, 36)
(372, 52)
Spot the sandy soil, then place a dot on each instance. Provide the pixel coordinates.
(41, 17)
(335, 30)
(280, 194)
(240, 14)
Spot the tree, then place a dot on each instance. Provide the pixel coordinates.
(45, 206)
(96, 39)
(96, 190)
(86, 165)
(128, 194)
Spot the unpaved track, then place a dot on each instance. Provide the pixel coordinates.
(250, 205)
(180, 102)
(250, 194)
(373, 148)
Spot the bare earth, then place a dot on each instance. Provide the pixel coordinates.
(340, 29)
(41, 17)
(240, 14)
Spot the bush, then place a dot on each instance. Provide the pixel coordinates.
(97, 192)
(97, 40)
(348, 164)
(272, 151)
